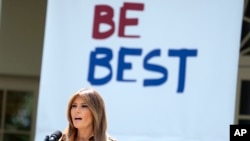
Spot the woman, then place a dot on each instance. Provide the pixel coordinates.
(87, 117)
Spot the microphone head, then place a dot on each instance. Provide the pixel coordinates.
(56, 135)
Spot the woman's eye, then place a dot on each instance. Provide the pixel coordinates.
(73, 106)
(84, 106)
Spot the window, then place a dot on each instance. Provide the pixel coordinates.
(18, 102)
(245, 37)
(242, 110)
(243, 97)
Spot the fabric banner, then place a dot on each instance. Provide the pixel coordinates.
(166, 69)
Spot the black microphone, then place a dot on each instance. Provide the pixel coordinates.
(54, 137)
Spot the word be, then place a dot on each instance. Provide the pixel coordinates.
(104, 15)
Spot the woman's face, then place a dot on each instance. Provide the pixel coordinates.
(81, 114)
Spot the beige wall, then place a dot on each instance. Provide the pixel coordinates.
(0, 12)
(21, 36)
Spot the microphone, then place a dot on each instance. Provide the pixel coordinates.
(54, 136)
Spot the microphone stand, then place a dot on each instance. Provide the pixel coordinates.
(54, 136)
(46, 138)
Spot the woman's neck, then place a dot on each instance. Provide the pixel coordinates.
(84, 134)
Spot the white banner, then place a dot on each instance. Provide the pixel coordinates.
(166, 69)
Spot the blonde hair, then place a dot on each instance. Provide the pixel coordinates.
(97, 107)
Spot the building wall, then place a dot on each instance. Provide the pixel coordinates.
(22, 24)
(21, 37)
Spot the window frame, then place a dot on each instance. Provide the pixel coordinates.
(20, 84)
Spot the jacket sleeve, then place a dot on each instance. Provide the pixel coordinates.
(111, 139)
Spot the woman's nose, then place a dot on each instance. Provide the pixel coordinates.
(77, 110)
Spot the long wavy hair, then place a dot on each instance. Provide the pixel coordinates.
(97, 107)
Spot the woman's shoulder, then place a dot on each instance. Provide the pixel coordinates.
(64, 135)
(63, 138)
